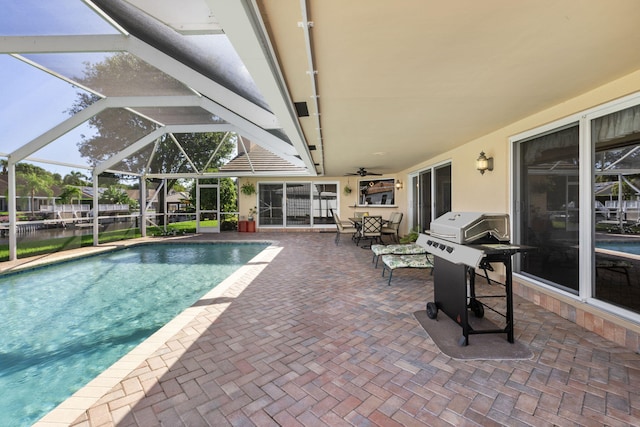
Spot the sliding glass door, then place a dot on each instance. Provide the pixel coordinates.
(297, 204)
(431, 195)
(577, 201)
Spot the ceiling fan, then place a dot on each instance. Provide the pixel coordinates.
(363, 172)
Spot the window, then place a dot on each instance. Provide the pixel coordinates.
(376, 192)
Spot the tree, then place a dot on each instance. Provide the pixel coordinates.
(114, 195)
(75, 178)
(117, 128)
(33, 183)
(69, 193)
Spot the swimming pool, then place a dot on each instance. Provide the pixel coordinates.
(64, 324)
(630, 247)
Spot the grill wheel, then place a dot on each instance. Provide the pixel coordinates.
(432, 310)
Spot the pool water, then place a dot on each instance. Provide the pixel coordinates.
(64, 324)
(630, 247)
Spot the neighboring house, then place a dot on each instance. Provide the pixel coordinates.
(24, 201)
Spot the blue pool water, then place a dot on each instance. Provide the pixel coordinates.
(632, 247)
(62, 325)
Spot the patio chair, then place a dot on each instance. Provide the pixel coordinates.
(393, 225)
(371, 229)
(343, 227)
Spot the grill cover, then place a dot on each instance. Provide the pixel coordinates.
(467, 227)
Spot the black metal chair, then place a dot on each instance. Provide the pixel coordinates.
(371, 229)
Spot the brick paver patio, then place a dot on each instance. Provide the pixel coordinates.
(315, 337)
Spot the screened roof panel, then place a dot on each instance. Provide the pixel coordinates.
(207, 150)
(180, 115)
(45, 89)
(137, 163)
(50, 18)
(111, 73)
(33, 102)
(65, 149)
(212, 55)
(113, 129)
(169, 158)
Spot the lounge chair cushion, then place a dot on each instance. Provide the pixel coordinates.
(404, 249)
(391, 262)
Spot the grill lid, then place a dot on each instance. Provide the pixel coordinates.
(467, 227)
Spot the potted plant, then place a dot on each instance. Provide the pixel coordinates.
(248, 189)
(411, 237)
(347, 190)
(252, 212)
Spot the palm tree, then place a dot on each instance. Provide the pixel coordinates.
(69, 193)
(115, 195)
(75, 178)
(34, 183)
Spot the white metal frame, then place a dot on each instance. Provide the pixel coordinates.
(586, 258)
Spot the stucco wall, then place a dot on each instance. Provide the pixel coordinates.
(490, 192)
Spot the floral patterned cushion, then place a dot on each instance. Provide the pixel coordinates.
(405, 249)
(402, 261)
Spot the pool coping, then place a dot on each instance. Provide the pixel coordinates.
(78, 403)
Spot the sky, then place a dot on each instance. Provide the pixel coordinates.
(31, 100)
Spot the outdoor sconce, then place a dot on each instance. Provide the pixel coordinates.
(398, 184)
(483, 163)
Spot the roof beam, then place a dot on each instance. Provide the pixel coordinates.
(255, 133)
(158, 133)
(243, 25)
(202, 84)
(128, 151)
(115, 102)
(59, 44)
(269, 174)
(57, 131)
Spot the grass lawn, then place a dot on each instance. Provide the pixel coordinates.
(27, 249)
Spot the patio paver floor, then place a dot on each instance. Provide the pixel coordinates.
(317, 338)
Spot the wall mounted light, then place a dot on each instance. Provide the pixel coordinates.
(483, 163)
(398, 184)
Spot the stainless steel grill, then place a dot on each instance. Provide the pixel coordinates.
(461, 242)
(452, 233)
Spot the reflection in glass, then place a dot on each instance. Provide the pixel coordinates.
(376, 192)
(298, 204)
(549, 217)
(443, 190)
(616, 139)
(325, 199)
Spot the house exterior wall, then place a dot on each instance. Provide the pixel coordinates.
(491, 192)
